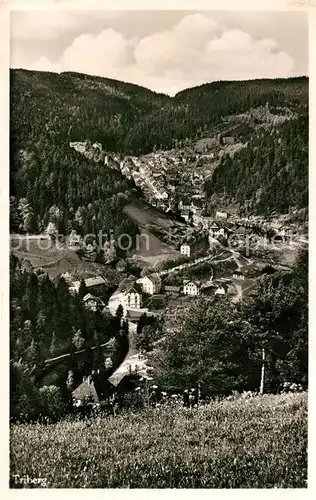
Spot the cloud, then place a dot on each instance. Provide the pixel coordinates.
(43, 25)
(51, 24)
(194, 51)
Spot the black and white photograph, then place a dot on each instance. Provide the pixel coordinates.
(159, 229)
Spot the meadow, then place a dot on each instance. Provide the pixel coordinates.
(54, 259)
(151, 249)
(260, 442)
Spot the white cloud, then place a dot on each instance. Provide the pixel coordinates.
(42, 25)
(194, 51)
(51, 24)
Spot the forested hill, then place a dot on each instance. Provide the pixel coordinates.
(73, 106)
(50, 110)
(131, 119)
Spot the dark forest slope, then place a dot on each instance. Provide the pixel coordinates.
(50, 110)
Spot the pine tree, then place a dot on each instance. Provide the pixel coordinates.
(52, 348)
(119, 312)
(70, 380)
(78, 340)
(83, 290)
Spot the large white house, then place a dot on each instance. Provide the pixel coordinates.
(128, 295)
(185, 249)
(150, 284)
(215, 230)
(191, 287)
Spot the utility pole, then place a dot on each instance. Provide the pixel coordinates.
(262, 371)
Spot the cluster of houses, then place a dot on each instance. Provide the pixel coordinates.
(218, 288)
(161, 174)
(130, 293)
(147, 176)
(92, 302)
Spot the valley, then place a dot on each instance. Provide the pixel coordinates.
(159, 251)
(159, 266)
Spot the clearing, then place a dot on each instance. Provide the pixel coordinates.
(151, 249)
(53, 257)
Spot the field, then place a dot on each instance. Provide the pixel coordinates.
(151, 249)
(259, 442)
(53, 259)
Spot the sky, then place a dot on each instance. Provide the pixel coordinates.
(165, 51)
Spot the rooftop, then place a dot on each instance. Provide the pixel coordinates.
(171, 288)
(86, 390)
(89, 296)
(98, 280)
(196, 283)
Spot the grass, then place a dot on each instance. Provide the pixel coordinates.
(151, 248)
(256, 443)
(54, 259)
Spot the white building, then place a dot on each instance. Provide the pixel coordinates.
(128, 295)
(185, 214)
(221, 215)
(79, 146)
(215, 231)
(191, 287)
(238, 275)
(150, 284)
(161, 195)
(221, 290)
(185, 249)
(189, 249)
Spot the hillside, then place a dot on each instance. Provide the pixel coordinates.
(247, 443)
(48, 111)
(76, 106)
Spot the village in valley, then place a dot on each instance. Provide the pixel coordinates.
(202, 250)
(159, 253)
(187, 247)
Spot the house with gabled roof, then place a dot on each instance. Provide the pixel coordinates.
(92, 302)
(172, 290)
(85, 392)
(186, 214)
(238, 275)
(228, 140)
(221, 214)
(150, 284)
(221, 290)
(93, 389)
(128, 295)
(191, 287)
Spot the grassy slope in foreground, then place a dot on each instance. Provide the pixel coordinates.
(260, 442)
